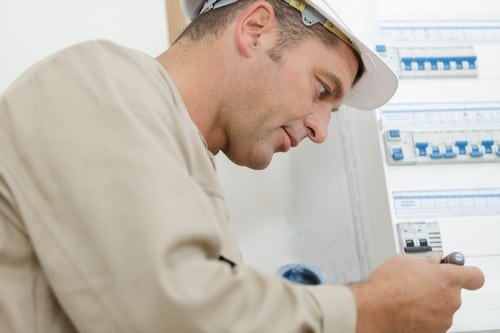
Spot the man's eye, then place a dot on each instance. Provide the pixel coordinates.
(323, 90)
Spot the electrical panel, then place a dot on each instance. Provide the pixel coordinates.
(432, 183)
(431, 61)
(442, 134)
(419, 237)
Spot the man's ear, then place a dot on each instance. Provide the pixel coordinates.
(254, 27)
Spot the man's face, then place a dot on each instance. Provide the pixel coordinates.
(279, 103)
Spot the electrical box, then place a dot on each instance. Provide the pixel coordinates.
(427, 163)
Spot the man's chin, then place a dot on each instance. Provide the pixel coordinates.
(256, 163)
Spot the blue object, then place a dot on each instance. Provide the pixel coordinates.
(380, 48)
(420, 62)
(394, 133)
(446, 61)
(475, 152)
(488, 146)
(397, 154)
(422, 148)
(433, 62)
(407, 63)
(302, 274)
(471, 61)
(449, 153)
(461, 146)
(436, 153)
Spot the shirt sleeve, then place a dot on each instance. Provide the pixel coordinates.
(126, 234)
(338, 306)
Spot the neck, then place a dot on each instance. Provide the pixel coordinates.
(200, 81)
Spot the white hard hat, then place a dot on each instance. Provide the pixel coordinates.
(378, 82)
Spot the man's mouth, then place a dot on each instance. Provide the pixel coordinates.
(293, 141)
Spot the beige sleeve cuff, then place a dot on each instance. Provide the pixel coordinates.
(339, 308)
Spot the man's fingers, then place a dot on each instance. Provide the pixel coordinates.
(434, 257)
(473, 278)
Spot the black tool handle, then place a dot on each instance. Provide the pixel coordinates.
(456, 258)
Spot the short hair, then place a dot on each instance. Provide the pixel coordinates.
(291, 29)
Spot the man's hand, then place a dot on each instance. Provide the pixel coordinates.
(408, 294)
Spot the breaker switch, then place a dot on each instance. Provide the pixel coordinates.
(476, 151)
(488, 146)
(461, 147)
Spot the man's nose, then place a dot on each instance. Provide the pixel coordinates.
(317, 125)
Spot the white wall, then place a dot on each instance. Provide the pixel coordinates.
(30, 29)
(257, 203)
(297, 210)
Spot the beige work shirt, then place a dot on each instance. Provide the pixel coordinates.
(112, 218)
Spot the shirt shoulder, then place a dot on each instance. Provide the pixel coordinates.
(99, 62)
(100, 86)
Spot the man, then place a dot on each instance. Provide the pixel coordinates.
(111, 215)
